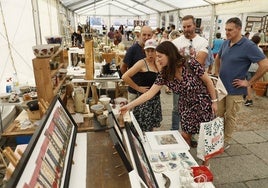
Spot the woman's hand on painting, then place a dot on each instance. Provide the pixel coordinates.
(123, 109)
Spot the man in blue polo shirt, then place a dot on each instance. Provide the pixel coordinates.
(231, 65)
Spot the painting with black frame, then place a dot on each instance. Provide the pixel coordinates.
(120, 150)
(114, 124)
(141, 160)
(21, 175)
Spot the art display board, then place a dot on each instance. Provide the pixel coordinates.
(47, 161)
(168, 164)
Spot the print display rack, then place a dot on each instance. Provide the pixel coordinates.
(47, 160)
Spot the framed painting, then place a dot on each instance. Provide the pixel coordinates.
(166, 140)
(120, 150)
(254, 19)
(135, 125)
(114, 124)
(141, 160)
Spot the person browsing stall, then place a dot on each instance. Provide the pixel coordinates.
(77, 37)
(134, 54)
(148, 114)
(231, 65)
(251, 71)
(188, 78)
(188, 44)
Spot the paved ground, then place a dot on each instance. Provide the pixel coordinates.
(245, 163)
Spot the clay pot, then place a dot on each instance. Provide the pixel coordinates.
(260, 91)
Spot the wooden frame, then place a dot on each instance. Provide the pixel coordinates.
(249, 26)
(263, 23)
(141, 160)
(254, 18)
(120, 150)
(114, 124)
(136, 127)
(266, 23)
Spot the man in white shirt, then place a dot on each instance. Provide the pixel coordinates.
(191, 44)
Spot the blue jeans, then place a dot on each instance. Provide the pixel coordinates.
(175, 125)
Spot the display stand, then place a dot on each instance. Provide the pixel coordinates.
(48, 82)
(159, 154)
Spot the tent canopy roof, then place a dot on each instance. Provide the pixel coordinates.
(133, 7)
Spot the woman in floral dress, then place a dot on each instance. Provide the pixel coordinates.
(188, 78)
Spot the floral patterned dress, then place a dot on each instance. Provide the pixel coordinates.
(194, 101)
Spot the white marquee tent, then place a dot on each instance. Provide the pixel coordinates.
(25, 23)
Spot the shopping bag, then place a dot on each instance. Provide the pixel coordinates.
(211, 139)
(202, 174)
(220, 88)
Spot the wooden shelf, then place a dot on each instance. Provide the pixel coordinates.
(45, 77)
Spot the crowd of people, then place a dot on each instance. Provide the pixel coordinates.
(182, 62)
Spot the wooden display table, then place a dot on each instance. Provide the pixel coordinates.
(102, 162)
(14, 130)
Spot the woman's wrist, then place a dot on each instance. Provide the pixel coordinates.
(214, 100)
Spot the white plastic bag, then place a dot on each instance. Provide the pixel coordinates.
(211, 139)
(220, 88)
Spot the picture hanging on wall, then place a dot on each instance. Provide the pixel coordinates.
(249, 26)
(263, 23)
(248, 29)
(254, 19)
(266, 25)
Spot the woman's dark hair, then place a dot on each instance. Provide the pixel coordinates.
(175, 60)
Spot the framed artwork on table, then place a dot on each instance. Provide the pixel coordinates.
(51, 147)
(137, 129)
(114, 124)
(135, 180)
(166, 140)
(141, 160)
(120, 150)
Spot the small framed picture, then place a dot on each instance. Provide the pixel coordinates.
(120, 150)
(254, 19)
(166, 140)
